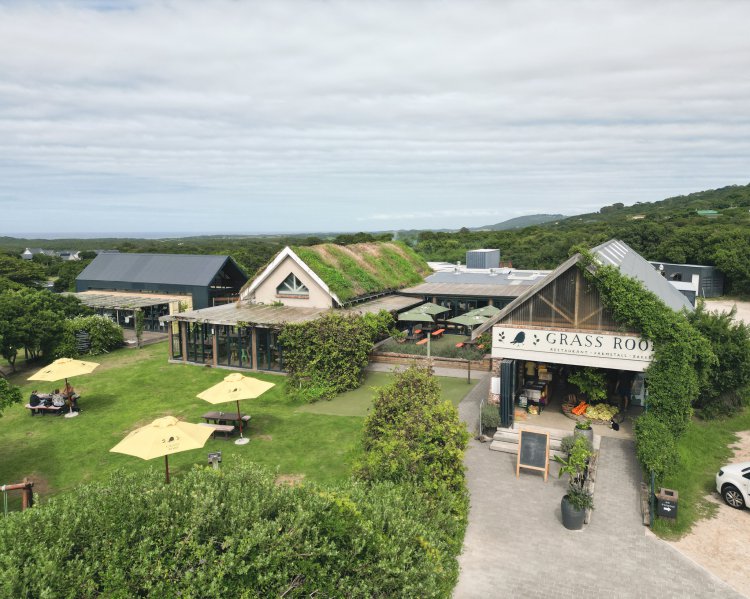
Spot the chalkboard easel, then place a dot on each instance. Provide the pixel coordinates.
(533, 452)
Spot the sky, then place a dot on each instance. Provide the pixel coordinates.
(307, 116)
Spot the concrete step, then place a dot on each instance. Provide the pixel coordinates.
(508, 437)
(554, 433)
(513, 448)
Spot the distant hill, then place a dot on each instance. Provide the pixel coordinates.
(521, 221)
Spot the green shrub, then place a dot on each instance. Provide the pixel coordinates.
(726, 389)
(655, 446)
(328, 355)
(104, 336)
(9, 394)
(412, 434)
(592, 382)
(227, 533)
(490, 415)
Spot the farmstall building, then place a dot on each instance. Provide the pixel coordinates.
(116, 285)
(298, 285)
(561, 323)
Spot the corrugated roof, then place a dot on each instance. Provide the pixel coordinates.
(487, 277)
(125, 301)
(390, 303)
(165, 269)
(254, 314)
(618, 253)
(463, 290)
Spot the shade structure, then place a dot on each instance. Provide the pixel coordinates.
(414, 316)
(469, 320)
(163, 437)
(485, 311)
(64, 368)
(236, 387)
(430, 308)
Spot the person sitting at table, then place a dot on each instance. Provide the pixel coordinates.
(68, 391)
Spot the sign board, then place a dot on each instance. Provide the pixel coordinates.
(83, 342)
(533, 452)
(602, 350)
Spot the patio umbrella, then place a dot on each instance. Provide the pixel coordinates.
(414, 316)
(430, 308)
(234, 388)
(162, 437)
(487, 311)
(64, 368)
(469, 320)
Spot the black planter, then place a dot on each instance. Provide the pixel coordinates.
(572, 518)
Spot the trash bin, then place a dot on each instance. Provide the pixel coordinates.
(666, 503)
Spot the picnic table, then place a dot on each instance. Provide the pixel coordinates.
(225, 429)
(437, 334)
(225, 417)
(40, 409)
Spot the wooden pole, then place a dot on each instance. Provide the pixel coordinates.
(239, 417)
(166, 466)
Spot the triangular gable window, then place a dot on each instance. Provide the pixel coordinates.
(292, 287)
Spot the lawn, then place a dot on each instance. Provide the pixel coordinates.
(703, 450)
(133, 387)
(359, 401)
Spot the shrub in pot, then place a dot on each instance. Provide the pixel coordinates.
(577, 499)
(583, 429)
(490, 417)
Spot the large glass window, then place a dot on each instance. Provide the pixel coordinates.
(292, 287)
(269, 355)
(174, 330)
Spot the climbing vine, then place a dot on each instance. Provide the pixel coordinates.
(682, 361)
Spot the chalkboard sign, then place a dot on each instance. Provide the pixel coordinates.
(533, 452)
(83, 342)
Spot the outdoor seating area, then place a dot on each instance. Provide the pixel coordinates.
(224, 423)
(55, 402)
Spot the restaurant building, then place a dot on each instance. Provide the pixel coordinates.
(300, 284)
(561, 322)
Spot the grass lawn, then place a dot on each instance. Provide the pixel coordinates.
(133, 387)
(703, 450)
(359, 401)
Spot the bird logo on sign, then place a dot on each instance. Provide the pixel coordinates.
(519, 338)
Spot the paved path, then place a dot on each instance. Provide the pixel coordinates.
(516, 545)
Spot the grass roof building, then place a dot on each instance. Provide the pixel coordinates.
(299, 284)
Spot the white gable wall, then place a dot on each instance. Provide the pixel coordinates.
(265, 293)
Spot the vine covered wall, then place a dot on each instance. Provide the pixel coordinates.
(682, 362)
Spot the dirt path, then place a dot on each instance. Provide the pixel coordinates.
(743, 308)
(719, 544)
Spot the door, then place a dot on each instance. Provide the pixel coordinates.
(507, 392)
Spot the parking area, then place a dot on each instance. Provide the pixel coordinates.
(516, 545)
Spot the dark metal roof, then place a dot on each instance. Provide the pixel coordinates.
(165, 269)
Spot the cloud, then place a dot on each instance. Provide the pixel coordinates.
(303, 115)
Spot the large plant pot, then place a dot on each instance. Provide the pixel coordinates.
(572, 518)
(585, 432)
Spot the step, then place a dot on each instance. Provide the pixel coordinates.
(512, 437)
(513, 448)
(554, 433)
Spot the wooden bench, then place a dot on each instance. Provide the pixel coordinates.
(40, 409)
(460, 344)
(225, 429)
(439, 333)
(422, 341)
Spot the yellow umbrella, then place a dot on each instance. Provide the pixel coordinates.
(234, 388)
(162, 437)
(64, 368)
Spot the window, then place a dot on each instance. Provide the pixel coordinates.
(292, 287)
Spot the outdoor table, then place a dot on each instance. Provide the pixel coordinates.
(220, 417)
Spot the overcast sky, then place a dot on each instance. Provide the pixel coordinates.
(245, 117)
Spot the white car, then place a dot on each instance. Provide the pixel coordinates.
(733, 484)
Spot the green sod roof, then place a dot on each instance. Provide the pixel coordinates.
(352, 271)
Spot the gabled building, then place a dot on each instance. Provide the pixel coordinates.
(298, 285)
(118, 284)
(561, 321)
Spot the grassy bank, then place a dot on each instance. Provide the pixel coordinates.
(703, 450)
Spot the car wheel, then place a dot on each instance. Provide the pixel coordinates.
(733, 497)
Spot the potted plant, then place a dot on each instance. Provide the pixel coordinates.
(578, 499)
(583, 429)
